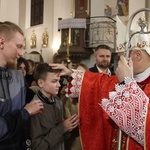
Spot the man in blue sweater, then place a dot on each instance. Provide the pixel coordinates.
(14, 113)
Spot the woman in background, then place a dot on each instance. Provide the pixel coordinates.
(22, 65)
(71, 107)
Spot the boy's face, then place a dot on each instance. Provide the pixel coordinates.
(50, 86)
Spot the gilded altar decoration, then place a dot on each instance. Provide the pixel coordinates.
(24, 46)
(45, 39)
(33, 41)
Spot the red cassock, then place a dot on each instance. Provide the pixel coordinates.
(97, 130)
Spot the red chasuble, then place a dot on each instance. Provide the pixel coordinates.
(97, 130)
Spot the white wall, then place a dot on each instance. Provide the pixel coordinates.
(22, 14)
(53, 9)
(134, 6)
(148, 14)
(63, 9)
(40, 29)
(9, 10)
(97, 8)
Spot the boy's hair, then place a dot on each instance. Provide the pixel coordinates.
(7, 29)
(41, 71)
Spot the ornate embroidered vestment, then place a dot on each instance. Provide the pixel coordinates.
(97, 130)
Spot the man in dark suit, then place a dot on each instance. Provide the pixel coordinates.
(102, 57)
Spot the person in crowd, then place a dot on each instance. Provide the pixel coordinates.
(127, 103)
(102, 57)
(71, 108)
(48, 129)
(14, 112)
(22, 65)
(29, 76)
(57, 58)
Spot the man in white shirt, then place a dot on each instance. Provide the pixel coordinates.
(102, 57)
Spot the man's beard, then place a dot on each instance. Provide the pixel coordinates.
(12, 65)
(104, 66)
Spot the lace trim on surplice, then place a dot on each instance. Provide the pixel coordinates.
(127, 106)
(76, 82)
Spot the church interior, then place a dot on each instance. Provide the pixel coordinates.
(68, 106)
(71, 28)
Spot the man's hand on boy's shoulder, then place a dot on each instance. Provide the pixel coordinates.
(34, 107)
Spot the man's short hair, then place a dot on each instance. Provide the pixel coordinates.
(103, 46)
(8, 28)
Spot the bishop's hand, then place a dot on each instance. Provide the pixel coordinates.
(124, 69)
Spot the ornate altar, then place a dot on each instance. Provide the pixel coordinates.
(72, 39)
